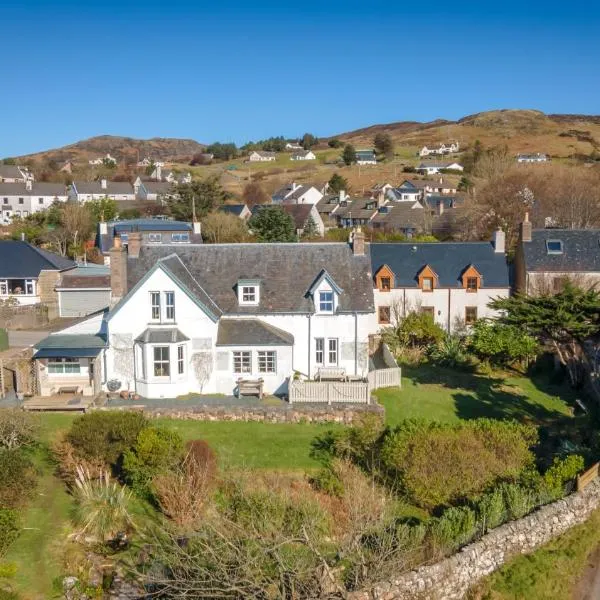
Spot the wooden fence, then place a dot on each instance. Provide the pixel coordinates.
(342, 392)
(586, 478)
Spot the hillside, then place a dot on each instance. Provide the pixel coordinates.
(124, 149)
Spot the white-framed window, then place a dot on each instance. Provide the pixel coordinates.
(267, 361)
(155, 306)
(326, 301)
(319, 350)
(162, 362)
(332, 351)
(155, 237)
(40, 201)
(30, 287)
(170, 305)
(242, 362)
(64, 366)
(249, 294)
(4, 288)
(178, 238)
(21, 201)
(180, 360)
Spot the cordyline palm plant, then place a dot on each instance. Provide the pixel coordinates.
(102, 506)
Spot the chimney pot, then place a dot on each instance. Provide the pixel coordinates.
(103, 184)
(118, 271)
(358, 242)
(134, 243)
(525, 229)
(499, 241)
(197, 227)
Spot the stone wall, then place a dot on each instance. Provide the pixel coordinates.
(295, 413)
(451, 578)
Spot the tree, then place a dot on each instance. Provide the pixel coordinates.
(566, 321)
(502, 344)
(309, 140)
(273, 224)
(222, 151)
(335, 143)
(200, 196)
(104, 209)
(384, 145)
(349, 154)
(310, 228)
(255, 194)
(77, 225)
(220, 228)
(337, 183)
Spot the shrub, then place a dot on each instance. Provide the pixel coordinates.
(155, 451)
(560, 473)
(450, 352)
(17, 479)
(437, 464)
(9, 529)
(519, 501)
(415, 330)
(455, 528)
(105, 435)
(68, 461)
(491, 510)
(327, 481)
(17, 428)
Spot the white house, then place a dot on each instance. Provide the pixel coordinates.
(439, 150)
(148, 162)
(160, 174)
(538, 157)
(297, 193)
(23, 199)
(365, 157)
(293, 146)
(303, 155)
(84, 191)
(434, 168)
(197, 318)
(152, 191)
(261, 156)
(101, 160)
(454, 281)
(14, 174)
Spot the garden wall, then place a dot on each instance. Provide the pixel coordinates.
(451, 578)
(268, 414)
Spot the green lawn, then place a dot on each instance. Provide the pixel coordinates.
(450, 395)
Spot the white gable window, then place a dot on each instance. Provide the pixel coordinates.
(155, 306)
(170, 306)
(179, 238)
(249, 292)
(326, 301)
(325, 294)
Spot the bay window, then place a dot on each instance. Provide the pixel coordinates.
(180, 360)
(162, 362)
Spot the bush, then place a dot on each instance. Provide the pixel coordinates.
(106, 436)
(416, 330)
(327, 481)
(9, 529)
(68, 460)
(456, 527)
(17, 428)
(560, 473)
(491, 510)
(450, 352)
(500, 344)
(18, 478)
(438, 464)
(519, 501)
(156, 451)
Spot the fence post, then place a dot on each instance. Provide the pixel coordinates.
(328, 388)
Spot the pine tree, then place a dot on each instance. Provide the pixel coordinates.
(349, 154)
(310, 228)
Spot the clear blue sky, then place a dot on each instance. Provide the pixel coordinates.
(236, 71)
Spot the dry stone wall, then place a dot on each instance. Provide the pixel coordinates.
(451, 578)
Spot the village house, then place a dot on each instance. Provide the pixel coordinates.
(153, 191)
(148, 162)
(23, 199)
(365, 157)
(28, 274)
(237, 210)
(545, 259)
(297, 193)
(435, 168)
(85, 191)
(357, 212)
(402, 217)
(261, 156)
(168, 176)
(300, 213)
(538, 157)
(327, 207)
(303, 155)
(453, 282)
(198, 318)
(439, 150)
(83, 290)
(293, 146)
(405, 193)
(102, 160)
(14, 174)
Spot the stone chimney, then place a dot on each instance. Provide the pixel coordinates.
(28, 184)
(103, 227)
(197, 227)
(358, 242)
(525, 229)
(342, 195)
(118, 271)
(294, 186)
(499, 241)
(134, 243)
(103, 184)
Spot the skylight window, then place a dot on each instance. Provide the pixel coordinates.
(554, 246)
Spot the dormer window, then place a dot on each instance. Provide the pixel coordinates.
(180, 238)
(554, 247)
(384, 279)
(471, 280)
(385, 283)
(326, 301)
(427, 284)
(249, 292)
(427, 279)
(472, 284)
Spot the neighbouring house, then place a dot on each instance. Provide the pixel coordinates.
(402, 217)
(29, 274)
(261, 156)
(169, 176)
(303, 155)
(327, 207)
(238, 210)
(300, 213)
(297, 193)
(83, 290)
(365, 157)
(452, 281)
(197, 318)
(545, 259)
(439, 186)
(404, 194)
(439, 150)
(437, 204)
(14, 174)
(85, 191)
(148, 162)
(538, 157)
(23, 199)
(153, 191)
(380, 188)
(152, 230)
(293, 146)
(357, 212)
(101, 160)
(434, 168)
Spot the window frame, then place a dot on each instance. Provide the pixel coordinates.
(468, 309)
(560, 250)
(381, 320)
(181, 359)
(472, 289)
(382, 283)
(320, 350)
(30, 287)
(429, 310)
(161, 361)
(155, 238)
(3, 287)
(326, 303)
(155, 307)
(267, 361)
(180, 237)
(429, 289)
(170, 307)
(53, 363)
(334, 351)
(242, 362)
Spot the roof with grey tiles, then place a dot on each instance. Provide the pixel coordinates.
(95, 187)
(170, 335)
(251, 332)
(580, 250)
(20, 259)
(448, 260)
(286, 271)
(41, 188)
(10, 172)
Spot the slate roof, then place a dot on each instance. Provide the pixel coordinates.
(286, 271)
(170, 335)
(76, 279)
(285, 193)
(581, 250)
(22, 260)
(365, 155)
(434, 200)
(357, 209)
(10, 172)
(70, 345)
(251, 332)
(401, 216)
(436, 164)
(449, 260)
(157, 187)
(233, 209)
(298, 212)
(42, 188)
(327, 204)
(95, 187)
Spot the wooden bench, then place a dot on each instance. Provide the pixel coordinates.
(250, 387)
(331, 374)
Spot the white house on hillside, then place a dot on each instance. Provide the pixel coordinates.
(14, 174)
(434, 168)
(261, 156)
(303, 155)
(297, 193)
(160, 174)
(538, 157)
(439, 150)
(23, 199)
(103, 160)
(84, 191)
(365, 157)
